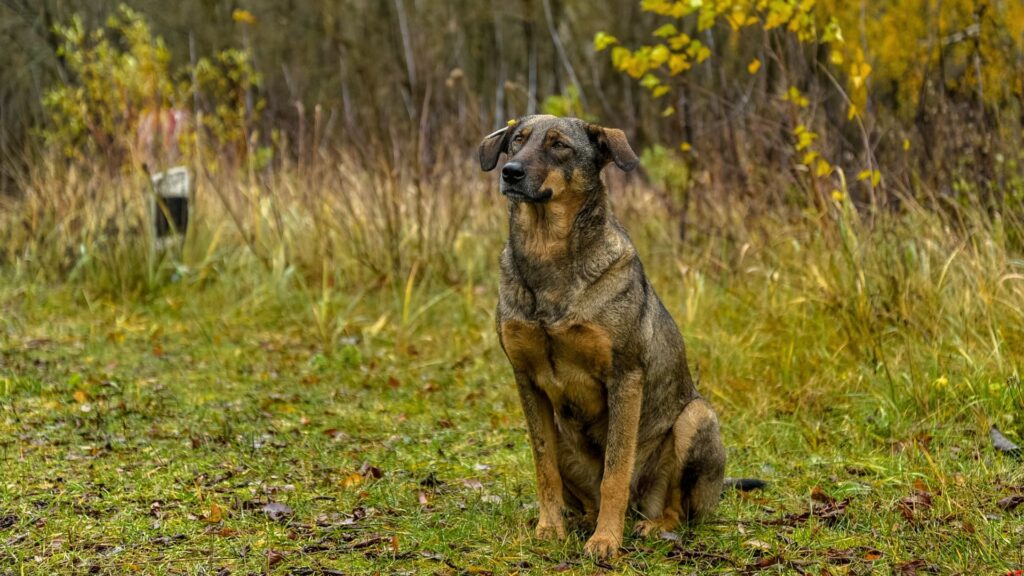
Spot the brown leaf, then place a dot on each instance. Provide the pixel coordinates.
(473, 484)
(1010, 503)
(819, 495)
(562, 567)
(274, 557)
(424, 500)
(214, 515)
(830, 513)
(915, 505)
(915, 567)
(766, 562)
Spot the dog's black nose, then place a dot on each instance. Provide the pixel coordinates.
(513, 172)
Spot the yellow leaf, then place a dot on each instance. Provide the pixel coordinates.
(603, 40)
(668, 112)
(754, 66)
(678, 63)
(906, 144)
(659, 91)
(823, 168)
(243, 16)
(838, 196)
(685, 147)
(353, 479)
(659, 55)
(80, 396)
(666, 31)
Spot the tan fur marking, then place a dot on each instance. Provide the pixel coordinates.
(525, 345)
(586, 344)
(693, 418)
(548, 226)
(624, 403)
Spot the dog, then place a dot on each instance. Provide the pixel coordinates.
(614, 418)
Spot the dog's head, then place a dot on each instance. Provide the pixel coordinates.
(549, 157)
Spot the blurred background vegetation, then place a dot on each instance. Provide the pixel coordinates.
(284, 109)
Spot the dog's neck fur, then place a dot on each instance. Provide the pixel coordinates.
(563, 243)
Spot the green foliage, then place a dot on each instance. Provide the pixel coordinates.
(122, 74)
(566, 104)
(118, 74)
(226, 81)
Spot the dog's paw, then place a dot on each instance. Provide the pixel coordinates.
(550, 531)
(602, 546)
(654, 527)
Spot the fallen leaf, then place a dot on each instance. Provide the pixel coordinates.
(424, 500)
(819, 495)
(915, 567)
(369, 471)
(274, 557)
(353, 479)
(335, 434)
(277, 511)
(1010, 503)
(473, 484)
(80, 396)
(758, 545)
(1002, 443)
(915, 505)
(214, 515)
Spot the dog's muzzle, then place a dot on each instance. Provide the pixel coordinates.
(513, 184)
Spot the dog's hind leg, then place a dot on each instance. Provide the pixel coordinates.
(690, 475)
(660, 506)
(703, 461)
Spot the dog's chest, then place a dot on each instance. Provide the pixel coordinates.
(569, 362)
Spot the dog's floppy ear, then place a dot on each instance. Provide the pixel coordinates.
(493, 145)
(612, 145)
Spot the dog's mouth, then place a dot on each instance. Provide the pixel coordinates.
(517, 196)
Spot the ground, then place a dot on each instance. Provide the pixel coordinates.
(240, 430)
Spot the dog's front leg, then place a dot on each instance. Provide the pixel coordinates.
(625, 396)
(540, 423)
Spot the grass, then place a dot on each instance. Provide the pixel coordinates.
(146, 425)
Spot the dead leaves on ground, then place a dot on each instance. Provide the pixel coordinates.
(825, 508)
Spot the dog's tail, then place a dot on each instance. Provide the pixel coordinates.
(745, 484)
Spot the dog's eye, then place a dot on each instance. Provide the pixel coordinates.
(557, 145)
(518, 138)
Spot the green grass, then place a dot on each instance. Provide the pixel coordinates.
(144, 434)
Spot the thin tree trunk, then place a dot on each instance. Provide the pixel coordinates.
(531, 73)
(499, 47)
(562, 55)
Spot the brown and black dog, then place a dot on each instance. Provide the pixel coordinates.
(613, 415)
